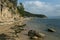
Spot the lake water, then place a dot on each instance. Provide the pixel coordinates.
(43, 24)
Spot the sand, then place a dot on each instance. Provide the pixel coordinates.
(30, 25)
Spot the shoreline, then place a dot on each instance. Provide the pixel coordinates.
(32, 25)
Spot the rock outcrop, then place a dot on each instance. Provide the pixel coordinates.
(9, 15)
(8, 11)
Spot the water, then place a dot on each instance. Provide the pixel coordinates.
(43, 24)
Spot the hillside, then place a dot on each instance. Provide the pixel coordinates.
(24, 13)
(28, 14)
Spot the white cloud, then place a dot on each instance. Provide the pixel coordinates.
(42, 8)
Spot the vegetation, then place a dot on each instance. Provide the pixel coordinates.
(28, 14)
(24, 13)
(20, 8)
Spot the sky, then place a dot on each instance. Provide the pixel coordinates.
(46, 7)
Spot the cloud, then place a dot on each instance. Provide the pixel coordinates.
(39, 7)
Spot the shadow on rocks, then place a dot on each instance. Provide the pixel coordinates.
(5, 37)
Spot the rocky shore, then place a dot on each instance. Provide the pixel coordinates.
(23, 35)
(15, 27)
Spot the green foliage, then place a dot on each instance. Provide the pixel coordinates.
(28, 14)
(21, 9)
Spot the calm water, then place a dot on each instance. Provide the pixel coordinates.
(44, 24)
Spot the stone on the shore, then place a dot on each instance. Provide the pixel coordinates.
(20, 26)
(40, 35)
(51, 30)
(35, 37)
(31, 33)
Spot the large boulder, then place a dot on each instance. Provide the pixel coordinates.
(35, 35)
(31, 33)
(51, 30)
(40, 35)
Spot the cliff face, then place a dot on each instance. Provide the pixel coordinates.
(8, 10)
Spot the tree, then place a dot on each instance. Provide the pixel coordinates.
(20, 8)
